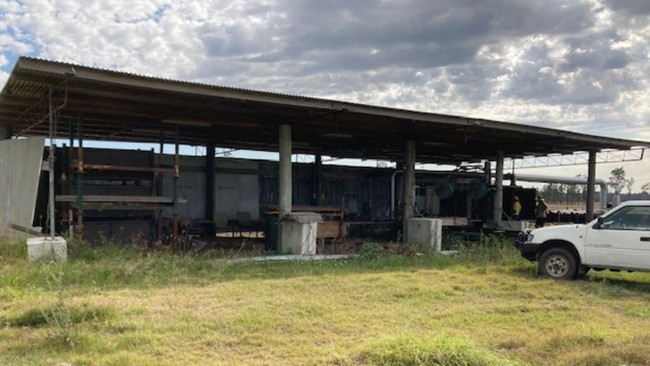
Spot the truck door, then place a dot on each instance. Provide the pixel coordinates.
(621, 240)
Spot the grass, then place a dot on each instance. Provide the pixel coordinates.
(482, 306)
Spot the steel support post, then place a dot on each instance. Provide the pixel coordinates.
(175, 183)
(591, 187)
(80, 180)
(209, 187)
(498, 195)
(50, 161)
(318, 172)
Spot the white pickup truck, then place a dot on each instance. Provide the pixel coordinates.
(617, 240)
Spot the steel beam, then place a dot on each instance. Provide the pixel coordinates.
(591, 180)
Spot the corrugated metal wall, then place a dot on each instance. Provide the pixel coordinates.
(365, 192)
(237, 192)
(233, 192)
(190, 185)
(240, 185)
(20, 170)
(252, 186)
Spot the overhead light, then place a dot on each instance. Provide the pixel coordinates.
(186, 122)
(337, 135)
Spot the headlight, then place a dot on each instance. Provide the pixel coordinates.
(524, 237)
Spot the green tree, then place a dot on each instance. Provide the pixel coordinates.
(553, 192)
(645, 188)
(617, 178)
(572, 193)
(629, 184)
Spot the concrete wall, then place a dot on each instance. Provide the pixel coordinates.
(20, 170)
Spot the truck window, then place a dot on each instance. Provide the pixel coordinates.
(629, 218)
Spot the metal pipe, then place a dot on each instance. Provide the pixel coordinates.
(51, 167)
(567, 180)
(318, 184)
(159, 182)
(498, 196)
(175, 182)
(209, 187)
(80, 180)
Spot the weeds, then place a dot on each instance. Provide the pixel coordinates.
(451, 241)
(489, 249)
(371, 251)
(12, 250)
(442, 350)
(38, 317)
(60, 316)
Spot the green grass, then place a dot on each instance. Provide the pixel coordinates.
(483, 306)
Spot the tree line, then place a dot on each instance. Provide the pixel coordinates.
(577, 193)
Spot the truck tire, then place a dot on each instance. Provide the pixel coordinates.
(558, 263)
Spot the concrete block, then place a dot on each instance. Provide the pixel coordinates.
(298, 238)
(46, 248)
(426, 231)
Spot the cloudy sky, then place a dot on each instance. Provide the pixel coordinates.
(578, 65)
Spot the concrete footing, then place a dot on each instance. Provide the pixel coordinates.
(426, 232)
(47, 248)
(298, 238)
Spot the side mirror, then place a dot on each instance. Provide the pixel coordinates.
(599, 222)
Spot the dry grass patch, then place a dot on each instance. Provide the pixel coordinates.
(417, 350)
(477, 308)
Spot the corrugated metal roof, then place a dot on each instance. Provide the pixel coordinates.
(119, 106)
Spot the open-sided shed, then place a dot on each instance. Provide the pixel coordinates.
(115, 106)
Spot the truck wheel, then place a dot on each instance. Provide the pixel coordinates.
(558, 263)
